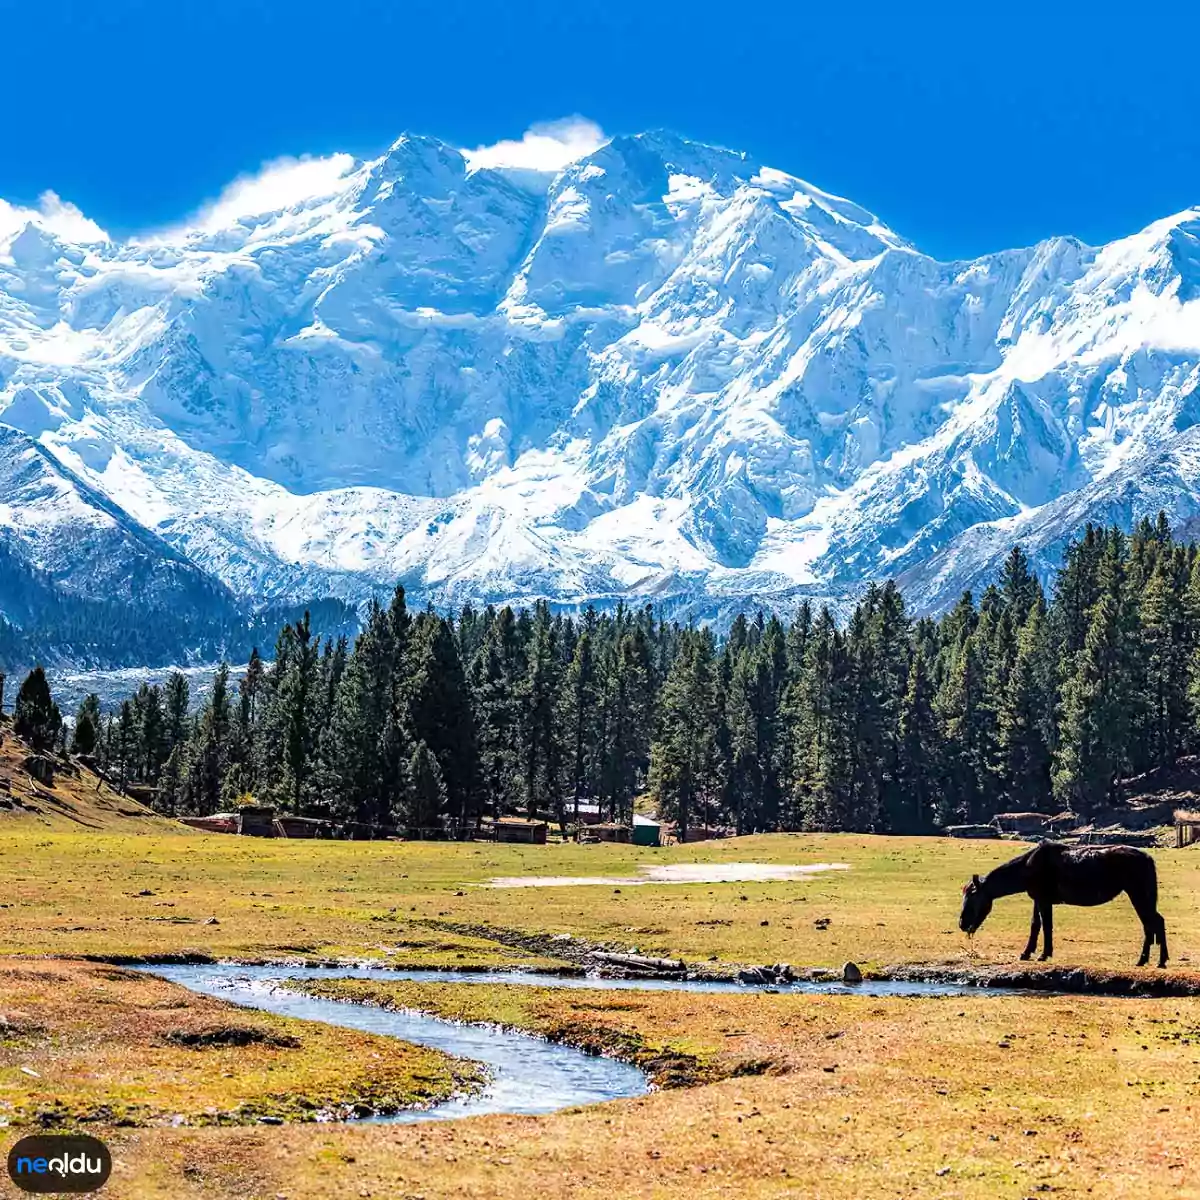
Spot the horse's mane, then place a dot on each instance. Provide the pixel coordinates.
(1008, 877)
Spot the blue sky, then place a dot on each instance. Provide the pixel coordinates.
(967, 128)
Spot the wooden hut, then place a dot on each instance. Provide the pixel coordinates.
(971, 831)
(1187, 827)
(1021, 822)
(256, 821)
(217, 823)
(518, 829)
(702, 833)
(610, 832)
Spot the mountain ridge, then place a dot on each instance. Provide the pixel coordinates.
(666, 372)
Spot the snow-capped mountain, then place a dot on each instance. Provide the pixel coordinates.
(74, 533)
(664, 372)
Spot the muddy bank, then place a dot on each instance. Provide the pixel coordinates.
(1076, 981)
(171, 958)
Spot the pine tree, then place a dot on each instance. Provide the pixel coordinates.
(151, 733)
(967, 722)
(627, 713)
(440, 707)
(292, 736)
(824, 755)
(363, 748)
(125, 749)
(427, 793)
(35, 715)
(87, 726)
(579, 713)
(919, 771)
(495, 676)
(83, 739)
(1019, 587)
(681, 760)
(1024, 755)
(1164, 641)
(178, 699)
(540, 751)
(1093, 725)
(201, 788)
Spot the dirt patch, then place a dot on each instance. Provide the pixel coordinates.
(674, 873)
(231, 1035)
(665, 1068)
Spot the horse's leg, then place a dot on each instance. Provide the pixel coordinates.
(1035, 928)
(1144, 907)
(1047, 932)
(1148, 932)
(1162, 940)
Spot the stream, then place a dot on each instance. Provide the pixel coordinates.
(528, 1074)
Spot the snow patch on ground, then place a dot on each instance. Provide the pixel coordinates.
(674, 873)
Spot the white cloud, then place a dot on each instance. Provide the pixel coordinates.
(549, 146)
(281, 184)
(59, 216)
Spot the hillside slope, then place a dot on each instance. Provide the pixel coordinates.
(77, 801)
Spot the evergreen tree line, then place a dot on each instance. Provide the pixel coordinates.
(1014, 700)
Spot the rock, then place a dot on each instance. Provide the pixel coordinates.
(756, 975)
(784, 972)
(212, 921)
(42, 769)
(851, 973)
(270, 1120)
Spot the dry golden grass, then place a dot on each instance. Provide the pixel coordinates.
(974, 1097)
(86, 1043)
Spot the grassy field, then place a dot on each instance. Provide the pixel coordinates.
(407, 903)
(833, 1097)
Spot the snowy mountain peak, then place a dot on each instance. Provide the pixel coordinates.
(588, 368)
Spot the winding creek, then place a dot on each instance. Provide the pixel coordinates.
(528, 1074)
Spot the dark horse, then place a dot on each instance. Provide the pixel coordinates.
(1055, 874)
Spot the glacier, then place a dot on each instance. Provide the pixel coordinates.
(664, 372)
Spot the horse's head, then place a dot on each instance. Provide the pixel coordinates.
(975, 908)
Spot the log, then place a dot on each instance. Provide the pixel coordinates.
(640, 962)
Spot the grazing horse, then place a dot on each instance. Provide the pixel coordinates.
(1055, 874)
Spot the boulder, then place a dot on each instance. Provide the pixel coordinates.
(776, 973)
(756, 975)
(41, 768)
(851, 973)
